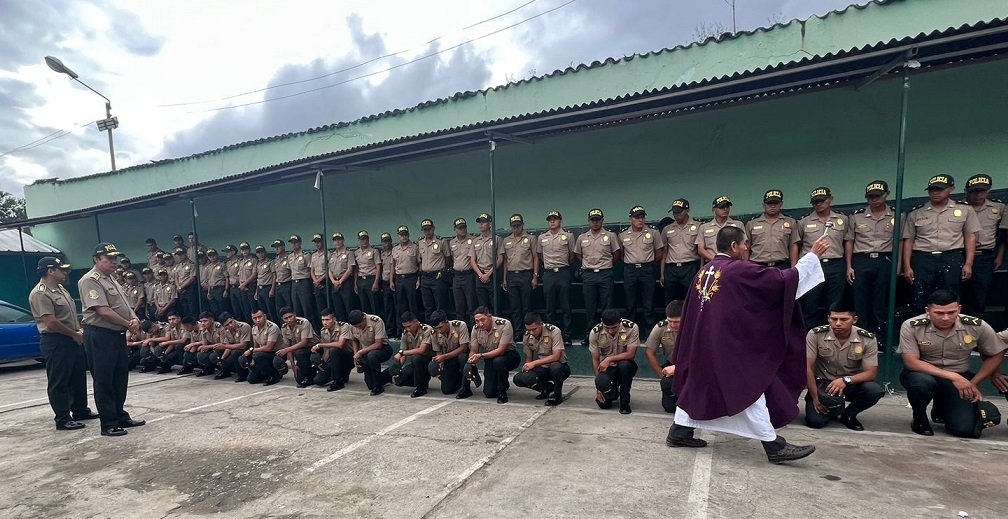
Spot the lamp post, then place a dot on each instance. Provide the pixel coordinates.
(107, 124)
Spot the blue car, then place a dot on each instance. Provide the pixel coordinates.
(19, 338)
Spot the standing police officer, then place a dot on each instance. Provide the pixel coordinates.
(368, 274)
(521, 270)
(388, 297)
(706, 240)
(61, 340)
(215, 281)
(342, 268)
(185, 283)
(299, 262)
(463, 279)
(405, 265)
(868, 252)
(484, 260)
(990, 247)
(433, 254)
(642, 250)
(771, 233)
(598, 249)
(248, 271)
(281, 264)
(822, 220)
(265, 295)
(556, 247)
(231, 292)
(682, 261)
(106, 319)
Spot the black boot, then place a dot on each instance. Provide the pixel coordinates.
(682, 436)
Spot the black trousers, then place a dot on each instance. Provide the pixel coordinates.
(616, 381)
(321, 302)
(871, 291)
(861, 397)
(974, 296)
(65, 376)
(343, 300)
(519, 299)
(137, 355)
(416, 372)
(668, 397)
(934, 271)
(283, 298)
(406, 297)
(388, 309)
(306, 371)
(495, 373)
(464, 293)
(372, 362)
(262, 368)
(216, 302)
(340, 365)
(678, 278)
(234, 300)
(556, 289)
(369, 301)
(597, 289)
(107, 360)
(484, 292)
(433, 292)
(816, 303)
(266, 303)
(539, 378)
(248, 303)
(639, 286)
(188, 300)
(450, 372)
(303, 300)
(959, 414)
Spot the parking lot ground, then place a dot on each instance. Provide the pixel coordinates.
(238, 450)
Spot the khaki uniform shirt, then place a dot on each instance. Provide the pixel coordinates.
(164, 293)
(933, 230)
(599, 341)
(185, 272)
(340, 261)
(517, 252)
(596, 250)
(54, 301)
(432, 254)
(152, 258)
(149, 290)
(413, 340)
(267, 273)
(952, 351)
(488, 340)
(406, 258)
(374, 331)
(835, 359)
(301, 330)
(368, 260)
(812, 227)
(299, 264)
(318, 263)
(265, 335)
(386, 259)
(97, 289)
(341, 331)
(555, 249)
(458, 334)
(241, 333)
(992, 218)
(213, 335)
(282, 267)
(640, 247)
(483, 251)
(233, 266)
(770, 241)
(461, 251)
(179, 333)
(707, 233)
(216, 275)
(134, 294)
(680, 241)
(249, 267)
(871, 234)
(204, 275)
(664, 337)
(542, 347)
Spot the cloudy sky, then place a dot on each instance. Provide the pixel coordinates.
(186, 76)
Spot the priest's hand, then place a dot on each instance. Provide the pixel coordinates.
(819, 246)
(667, 371)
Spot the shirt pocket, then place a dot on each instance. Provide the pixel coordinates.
(854, 354)
(826, 352)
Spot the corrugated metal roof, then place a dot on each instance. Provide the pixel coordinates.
(10, 242)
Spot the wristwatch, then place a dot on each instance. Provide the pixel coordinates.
(846, 380)
(401, 352)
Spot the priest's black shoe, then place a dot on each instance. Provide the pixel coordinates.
(113, 431)
(69, 425)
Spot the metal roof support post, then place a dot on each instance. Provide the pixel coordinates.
(24, 264)
(97, 227)
(199, 286)
(493, 224)
(320, 185)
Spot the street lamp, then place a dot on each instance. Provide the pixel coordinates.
(107, 124)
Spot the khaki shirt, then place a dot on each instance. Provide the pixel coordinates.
(54, 301)
(214, 335)
(952, 351)
(299, 264)
(152, 257)
(216, 274)
(249, 267)
(549, 343)
(265, 335)
(386, 259)
(596, 250)
(164, 293)
(835, 359)
(871, 234)
(97, 289)
(707, 233)
(340, 261)
(282, 267)
(342, 331)
(412, 340)
(406, 258)
(517, 252)
(680, 241)
(812, 227)
(488, 340)
(483, 251)
(374, 331)
(933, 230)
(368, 260)
(432, 254)
(661, 335)
(555, 249)
(461, 252)
(599, 341)
(204, 275)
(134, 294)
(640, 247)
(233, 266)
(301, 330)
(241, 333)
(267, 273)
(184, 272)
(458, 334)
(770, 241)
(318, 263)
(991, 217)
(178, 333)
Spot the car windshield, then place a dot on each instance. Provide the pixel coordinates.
(9, 314)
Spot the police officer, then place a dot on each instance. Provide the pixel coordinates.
(492, 341)
(463, 278)
(414, 355)
(388, 297)
(990, 246)
(822, 220)
(868, 252)
(215, 281)
(545, 368)
(299, 262)
(371, 350)
(190, 346)
(320, 278)
(342, 268)
(298, 339)
(185, 283)
(210, 334)
(556, 248)
(194, 247)
(265, 295)
(232, 294)
(485, 260)
(449, 342)
(368, 274)
(613, 346)
(771, 233)
(153, 253)
(149, 283)
(597, 249)
(663, 336)
(165, 296)
(168, 352)
(433, 254)
(682, 261)
(106, 319)
(936, 348)
(706, 240)
(248, 271)
(521, 271)
(939, 242)
(281, 264)
(266, 339)
(842, 364)
(643, 248)
(134, 294)
(61, 342)
(336, 346)
(236, 338)
(405, 265)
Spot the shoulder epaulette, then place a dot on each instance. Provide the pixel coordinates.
(995, 200)
(969, 319)
(916, 208)
(96, 276)
(456, 322)
(597, 328)
(859, 211)
(41, 287)
(549, 326)
(628, 323)
(865, 333)
(820, 329)
(498, 321)
(374, 318)
(923, 321)
(426, 327)
(663, 323)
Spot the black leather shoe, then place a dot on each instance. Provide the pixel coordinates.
(302, 384)
(553, 401)
(272, 380)
(377, 391)
(851, 422)
(602, 404)
(922, 428)
(790, 452)
(937, 418)
(69, 425)
(241, 378)
(418, 393)
(204, 373)
(145, 369)
(89, 415)
(545, 393)
(132, 423)
(334, 387)
(185, 371)
(221, 375)
(695, 443)
(113, 431)
(625, 409)
(463, 394)
(162, 371)
(502, 397)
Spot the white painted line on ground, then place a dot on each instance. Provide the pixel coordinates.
(460, 479)
(44, 400)
(362, 442)
(204, 406)
(700, 483)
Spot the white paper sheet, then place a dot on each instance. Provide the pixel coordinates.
(810, 273)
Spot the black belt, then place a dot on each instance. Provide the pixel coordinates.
(682, 263)
(103, 329)
(557, 269)
(598, 270)
(305, 280)
(640, 265)
(827, 260)
(873, 255)
(432, 272)
(980, 252)
(402, 276)
(772, 263)
(519, 271)
(939, 252)
(283, 282)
